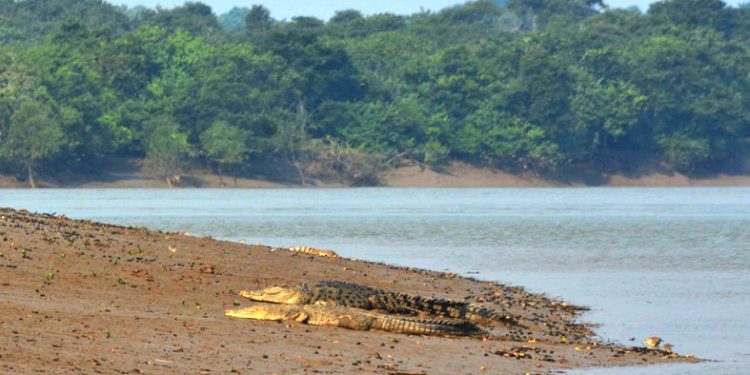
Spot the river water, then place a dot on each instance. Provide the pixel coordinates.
(662, 262)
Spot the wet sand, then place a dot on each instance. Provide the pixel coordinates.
(84, 297)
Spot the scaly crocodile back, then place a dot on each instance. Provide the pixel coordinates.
(341, 293)
(364, 297)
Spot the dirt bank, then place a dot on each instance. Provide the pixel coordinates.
(464, 175)
(83, 297)
(127, 174)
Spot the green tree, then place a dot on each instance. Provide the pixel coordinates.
(346, 16)
(258, 21)
(168, 152)
(193, 17)
(351, 24)
(236, 84)
(537, 85)
(691, 13)
(683, 151)
(318, 70)
(509, 141)
(35, 19)
(605, 112)
(34, 135)
(696, 112)
(68, 68)
(224, 145)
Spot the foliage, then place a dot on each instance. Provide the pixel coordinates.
(538, 85)
(258, 21)
(168, 151)
(33, 19)
(34, 135)
(193, 17)
(224, 144)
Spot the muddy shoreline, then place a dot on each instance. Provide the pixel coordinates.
(128, 175)
(84, 297)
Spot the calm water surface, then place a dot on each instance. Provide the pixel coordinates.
(668, 262)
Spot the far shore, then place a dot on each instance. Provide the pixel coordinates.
(456, 175)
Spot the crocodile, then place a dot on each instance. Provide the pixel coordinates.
(356, 319)
(314, 251)
(364, 297)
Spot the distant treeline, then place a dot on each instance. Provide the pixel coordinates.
(527, 85)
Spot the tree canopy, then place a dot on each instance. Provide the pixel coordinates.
(537, 85)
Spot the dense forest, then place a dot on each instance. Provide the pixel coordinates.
(532, 86)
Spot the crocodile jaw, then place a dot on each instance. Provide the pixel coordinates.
(266, 312)
(275, 294)
(254, 313)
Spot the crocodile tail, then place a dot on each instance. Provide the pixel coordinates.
(477, 313)
(435, 327)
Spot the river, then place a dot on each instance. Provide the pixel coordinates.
(669, 262)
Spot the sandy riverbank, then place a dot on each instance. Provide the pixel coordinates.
(463, 175)
(83, 297)
(454, 175)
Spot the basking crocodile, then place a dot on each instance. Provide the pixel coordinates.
(364, 297)
(354, 318)
(314, 251)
